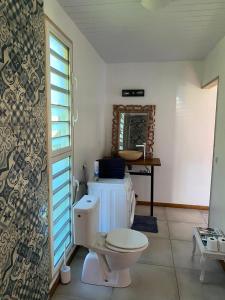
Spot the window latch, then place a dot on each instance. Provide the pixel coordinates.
(76, 187)
(75, 118)
(75, 80)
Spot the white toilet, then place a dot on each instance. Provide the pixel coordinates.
(110, 254)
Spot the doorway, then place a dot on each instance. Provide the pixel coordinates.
(212, 88)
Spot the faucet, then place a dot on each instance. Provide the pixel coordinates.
(144, 148)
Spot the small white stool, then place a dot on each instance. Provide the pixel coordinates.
(205, 254)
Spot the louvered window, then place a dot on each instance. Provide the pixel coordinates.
(59, 96)
(61, 204)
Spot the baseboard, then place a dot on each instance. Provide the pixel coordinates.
(174, 205)
(54, 287)
(57, 279)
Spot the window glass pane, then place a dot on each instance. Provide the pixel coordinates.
(59, 81)
(61, 194)
(60, 129)
(59, 98)
(59, 47)
(62, 235)
(60, 210)
(61, 180)
(60, 113)
(60, 252)
(61, 223)
(60, 165)
(60, 143)
(59, 64)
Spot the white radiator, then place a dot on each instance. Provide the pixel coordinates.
(117, 202)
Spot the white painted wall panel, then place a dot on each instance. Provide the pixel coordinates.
(184, 126)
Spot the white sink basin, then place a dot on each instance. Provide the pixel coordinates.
(130, 154)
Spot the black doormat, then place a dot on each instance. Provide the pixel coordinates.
(145, 223)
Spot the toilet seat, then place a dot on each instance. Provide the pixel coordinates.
(126, 240)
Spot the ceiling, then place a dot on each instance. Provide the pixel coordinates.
(124, 31)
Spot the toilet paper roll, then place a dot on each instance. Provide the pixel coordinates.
(65, 275)
(221, 241)
(212, 244)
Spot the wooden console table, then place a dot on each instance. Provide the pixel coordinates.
(148, 162)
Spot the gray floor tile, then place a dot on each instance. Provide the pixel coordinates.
(163, 230)
(182, 255)
(149, 282)
(184, 215)
(79, 289)
(159, 252)
(153, 277)
(182, 231)
(144, 210)
(190, 287)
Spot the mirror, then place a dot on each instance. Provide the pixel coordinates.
(133, 125)
(133, 130)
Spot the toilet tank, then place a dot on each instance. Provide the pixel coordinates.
(85, 220)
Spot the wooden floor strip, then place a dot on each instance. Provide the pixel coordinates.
(174, 205)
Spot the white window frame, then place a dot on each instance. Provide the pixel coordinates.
(50, 28)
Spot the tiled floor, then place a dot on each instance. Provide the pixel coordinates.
(164, 272)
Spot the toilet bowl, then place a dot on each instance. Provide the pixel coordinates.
(110, 254)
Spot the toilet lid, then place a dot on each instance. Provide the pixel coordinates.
(126, 239)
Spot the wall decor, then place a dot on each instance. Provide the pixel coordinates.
(133, 125)
(24, 255)
(133, 93)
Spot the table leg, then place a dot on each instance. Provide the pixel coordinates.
(203, 265)
(152, 189)
(194, 246)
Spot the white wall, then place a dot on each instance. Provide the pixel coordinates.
(184, 126)
(184, 121)
(215, 66)
(90, 96)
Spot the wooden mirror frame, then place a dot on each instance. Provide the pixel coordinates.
(149, 109)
